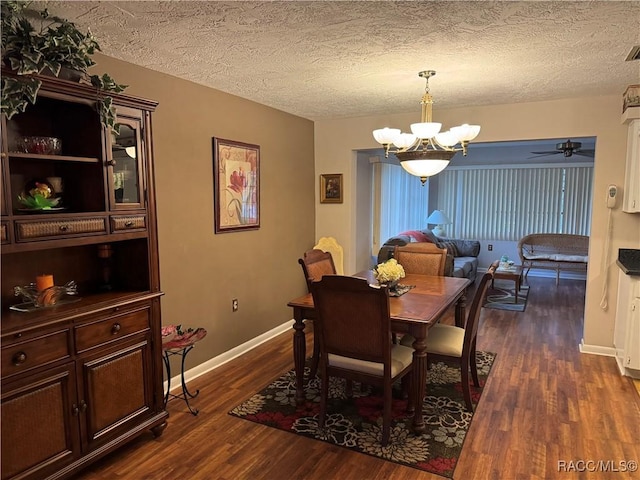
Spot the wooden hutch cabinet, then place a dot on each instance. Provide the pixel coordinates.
(84, 376)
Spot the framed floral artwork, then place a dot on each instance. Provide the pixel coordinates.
(236, 185)
(331, 188)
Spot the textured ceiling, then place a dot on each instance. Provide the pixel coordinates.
(328, 59)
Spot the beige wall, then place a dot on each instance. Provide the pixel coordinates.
(336, 142)
(200, 271)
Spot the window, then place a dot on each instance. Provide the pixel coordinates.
(400, 203)
(508, 203)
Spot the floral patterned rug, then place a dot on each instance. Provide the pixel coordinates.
(356, 423)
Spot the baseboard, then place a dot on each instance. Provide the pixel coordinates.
(597, 349)
(627, 372)
(229, 355)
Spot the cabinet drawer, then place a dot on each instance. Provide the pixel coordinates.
(24, 355)
(122, 223)
(60, 228)
(92, 334)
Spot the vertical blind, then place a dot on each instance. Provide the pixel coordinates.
(402, 201)
(508, 203)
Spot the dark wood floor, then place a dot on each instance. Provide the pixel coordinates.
(544, 403)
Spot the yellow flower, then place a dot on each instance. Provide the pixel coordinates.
(388, 271)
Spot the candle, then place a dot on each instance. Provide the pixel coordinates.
(44, 281)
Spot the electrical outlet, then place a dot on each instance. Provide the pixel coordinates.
(234, 305)
(490, 247)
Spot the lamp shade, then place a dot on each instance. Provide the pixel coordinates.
(438, 218)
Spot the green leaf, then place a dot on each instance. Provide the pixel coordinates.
(53, 42)
(18, 94)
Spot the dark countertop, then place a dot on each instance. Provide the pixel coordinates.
(629, 260)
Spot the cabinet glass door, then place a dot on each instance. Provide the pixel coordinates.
(127, 180)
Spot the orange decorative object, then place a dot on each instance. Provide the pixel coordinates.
(43, 282)
(48, 297)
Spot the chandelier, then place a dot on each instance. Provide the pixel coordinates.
(426, 151)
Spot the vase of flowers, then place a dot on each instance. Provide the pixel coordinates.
(388, 273)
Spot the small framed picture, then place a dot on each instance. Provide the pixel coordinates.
(236, 177)
(331, 188)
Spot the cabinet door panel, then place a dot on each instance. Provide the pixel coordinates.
(126, 182)
(39, 430)
(632, 347)
(4, 233)
(117, 389)
(631, 197)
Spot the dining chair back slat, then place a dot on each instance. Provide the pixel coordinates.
(421, 258)
(315, 264)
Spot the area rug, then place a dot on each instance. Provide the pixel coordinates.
(356, 423)
(502, 296)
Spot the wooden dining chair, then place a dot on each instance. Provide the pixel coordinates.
(423, 258)
(315, 264)
(447, 342)
(354, 323)
(331, 245)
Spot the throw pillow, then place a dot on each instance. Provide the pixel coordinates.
(416, 236)
(450, 246)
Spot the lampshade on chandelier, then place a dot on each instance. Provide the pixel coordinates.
(426, 151)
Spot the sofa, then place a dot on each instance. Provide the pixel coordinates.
(462, 255)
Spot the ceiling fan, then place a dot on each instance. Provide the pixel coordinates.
(569, 149)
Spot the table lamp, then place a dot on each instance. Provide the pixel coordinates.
(438, 218)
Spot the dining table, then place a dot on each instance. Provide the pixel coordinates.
(413, 313)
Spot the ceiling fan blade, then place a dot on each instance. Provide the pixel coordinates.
(548, 152)
(585, 153)
(542, 155)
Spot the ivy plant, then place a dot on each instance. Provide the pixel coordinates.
(33, 42)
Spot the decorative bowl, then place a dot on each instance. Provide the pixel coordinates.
(47, 297)
(40, 145)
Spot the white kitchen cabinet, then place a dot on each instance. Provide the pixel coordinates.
(627, 328)
(631, 197)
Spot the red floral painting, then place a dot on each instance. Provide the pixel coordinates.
(236, 185)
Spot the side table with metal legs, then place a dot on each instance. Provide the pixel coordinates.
(178, 342)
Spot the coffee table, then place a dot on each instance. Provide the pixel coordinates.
(514, 273)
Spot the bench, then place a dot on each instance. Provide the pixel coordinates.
(554, 251)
